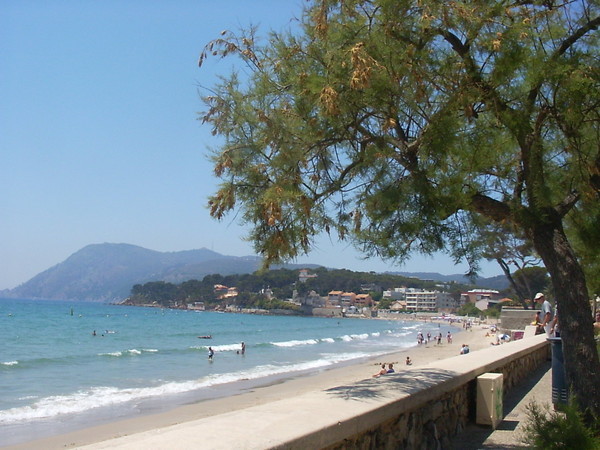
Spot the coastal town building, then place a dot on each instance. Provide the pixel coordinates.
(363, 301)
(304, 275)
(477, 295)
(313, 299)
(334, 298)
(370, 287)
(487, 303)
(347, 299)
(419, 299)
(446, 303)
(198, 306)
(394, 294)
(398, 305)
(223, 292)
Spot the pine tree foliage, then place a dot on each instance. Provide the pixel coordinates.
(408, 125)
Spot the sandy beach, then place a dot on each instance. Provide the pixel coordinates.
(189, 415)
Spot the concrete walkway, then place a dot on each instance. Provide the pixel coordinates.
(509, 434)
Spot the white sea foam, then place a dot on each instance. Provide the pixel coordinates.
(360, 336)
(219, 348)
(85, 400)
(130, 352)
(295, 343)
(328, 340)
(98, 397)
(9, 363)
(111, 354)
(227, 347)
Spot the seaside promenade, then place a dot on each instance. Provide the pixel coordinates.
(281, 415)
(509, 433)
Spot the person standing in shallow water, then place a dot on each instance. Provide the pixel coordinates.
(243, 348)
(211, 353)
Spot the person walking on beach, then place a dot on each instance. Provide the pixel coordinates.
(211, 353)
(449, 337)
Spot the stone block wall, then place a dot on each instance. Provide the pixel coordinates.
(431, 424)
(516, 319)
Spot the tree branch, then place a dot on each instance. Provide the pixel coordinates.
(579, 33)
(491, 208)
(567, 204)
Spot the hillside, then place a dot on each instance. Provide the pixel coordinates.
(498, 282)
(107, 272)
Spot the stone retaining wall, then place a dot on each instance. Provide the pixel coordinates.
(516, 319)
(429, 423)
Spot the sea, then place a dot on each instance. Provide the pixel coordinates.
(69, 365)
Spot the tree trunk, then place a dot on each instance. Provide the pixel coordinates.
(582, 364)
(512, 282)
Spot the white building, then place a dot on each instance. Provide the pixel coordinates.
(420, 299)
(394, 294)
(477, 295)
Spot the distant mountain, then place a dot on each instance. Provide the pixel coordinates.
(107, 272)
(498, 282)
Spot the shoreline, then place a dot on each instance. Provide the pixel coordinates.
(262, 391)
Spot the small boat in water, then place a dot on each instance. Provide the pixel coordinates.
(205, 337)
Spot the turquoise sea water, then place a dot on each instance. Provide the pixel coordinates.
(56, 376)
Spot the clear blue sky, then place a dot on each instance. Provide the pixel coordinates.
(99, 137)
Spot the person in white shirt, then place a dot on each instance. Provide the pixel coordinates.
(547, 315)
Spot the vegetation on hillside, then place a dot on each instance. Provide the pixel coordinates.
(281, 284)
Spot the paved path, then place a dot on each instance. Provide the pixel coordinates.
(509, 434)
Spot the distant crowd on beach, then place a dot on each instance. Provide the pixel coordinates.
(421, 339)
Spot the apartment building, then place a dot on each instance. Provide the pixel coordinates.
(347, 299)
(334, 298)
(363, 301)
(420, 299)
(476, 295)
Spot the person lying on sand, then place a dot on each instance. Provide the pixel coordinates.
(383, 371)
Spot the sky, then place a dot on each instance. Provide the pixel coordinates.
(99, 137)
